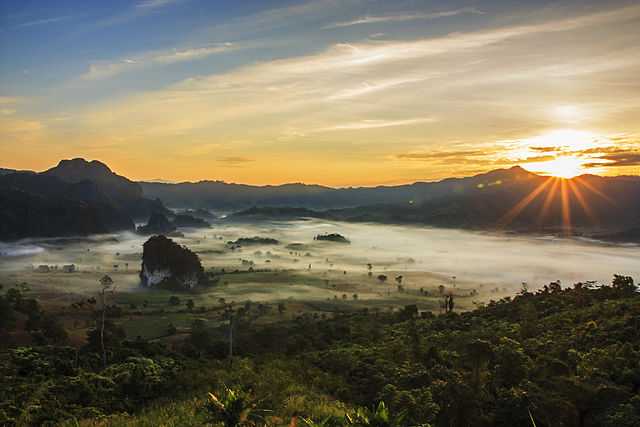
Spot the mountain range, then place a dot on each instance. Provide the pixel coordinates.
(512, 199)
(509, 199)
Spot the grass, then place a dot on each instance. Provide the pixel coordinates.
(187, 413)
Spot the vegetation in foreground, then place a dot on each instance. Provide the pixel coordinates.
(556, 357)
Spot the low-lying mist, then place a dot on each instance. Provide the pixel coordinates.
(474, 258)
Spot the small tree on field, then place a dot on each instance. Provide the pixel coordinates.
(106, 284)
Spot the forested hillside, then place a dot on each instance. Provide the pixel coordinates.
(556, 357)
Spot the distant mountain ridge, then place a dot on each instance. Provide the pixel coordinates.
(221, 195)
(511, 199)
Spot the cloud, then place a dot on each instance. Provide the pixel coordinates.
(546, 149)
(535, 159)
(234, 161)
(379, 85)
(140, 9)
(403, 17)
(107, 69)
(367, 87)
(149, 5)
(439, 155)
(620, 159)
(376, 123)
(44, 21)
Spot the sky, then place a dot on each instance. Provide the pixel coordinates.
(340, 93)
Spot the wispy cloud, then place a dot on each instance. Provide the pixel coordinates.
(440, 155)
(107, 69)
(234, 161)
(149, 5)
(618, 160)
(302, 85)
(369, 87)
(138, 10)
(44, 21)
(403, 17)
(377, 123)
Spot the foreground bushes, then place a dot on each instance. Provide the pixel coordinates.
(558, 357)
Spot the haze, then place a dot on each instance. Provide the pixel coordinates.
(432, 256)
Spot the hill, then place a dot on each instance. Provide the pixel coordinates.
(556, 357)
(76, 197)
(37, 205)
(512, 199)
(125, 194)
(517, 200)
(221, 195)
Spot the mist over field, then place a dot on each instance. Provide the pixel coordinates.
(504, 260)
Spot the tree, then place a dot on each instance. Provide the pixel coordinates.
(106, 284)
(623, 283)
(174, 300)
(190, 304)
(479, 352)
(7, 315)
(512, 365)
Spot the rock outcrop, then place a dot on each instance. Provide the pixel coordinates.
(157, 224)
(168, 265)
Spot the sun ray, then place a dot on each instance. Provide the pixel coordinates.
(548, 200)
(593, 189)
(522, 204)
(583, 203)
(566, 207)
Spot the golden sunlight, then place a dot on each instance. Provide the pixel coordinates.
(561, 167)
(562, 153)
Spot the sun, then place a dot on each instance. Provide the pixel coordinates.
(562, 153)
(561, 167)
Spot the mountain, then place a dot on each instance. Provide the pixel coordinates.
(221, 195)
(37, 205)
(125, 194)
(511, 199)
(516, 201)
(77, 197)
(5, 171)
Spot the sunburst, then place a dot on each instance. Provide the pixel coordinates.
(568, 190)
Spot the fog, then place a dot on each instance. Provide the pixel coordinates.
(475, 258)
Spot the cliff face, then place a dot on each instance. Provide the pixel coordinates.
(169, 265)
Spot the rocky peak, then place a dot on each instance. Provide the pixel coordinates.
(168, 265)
